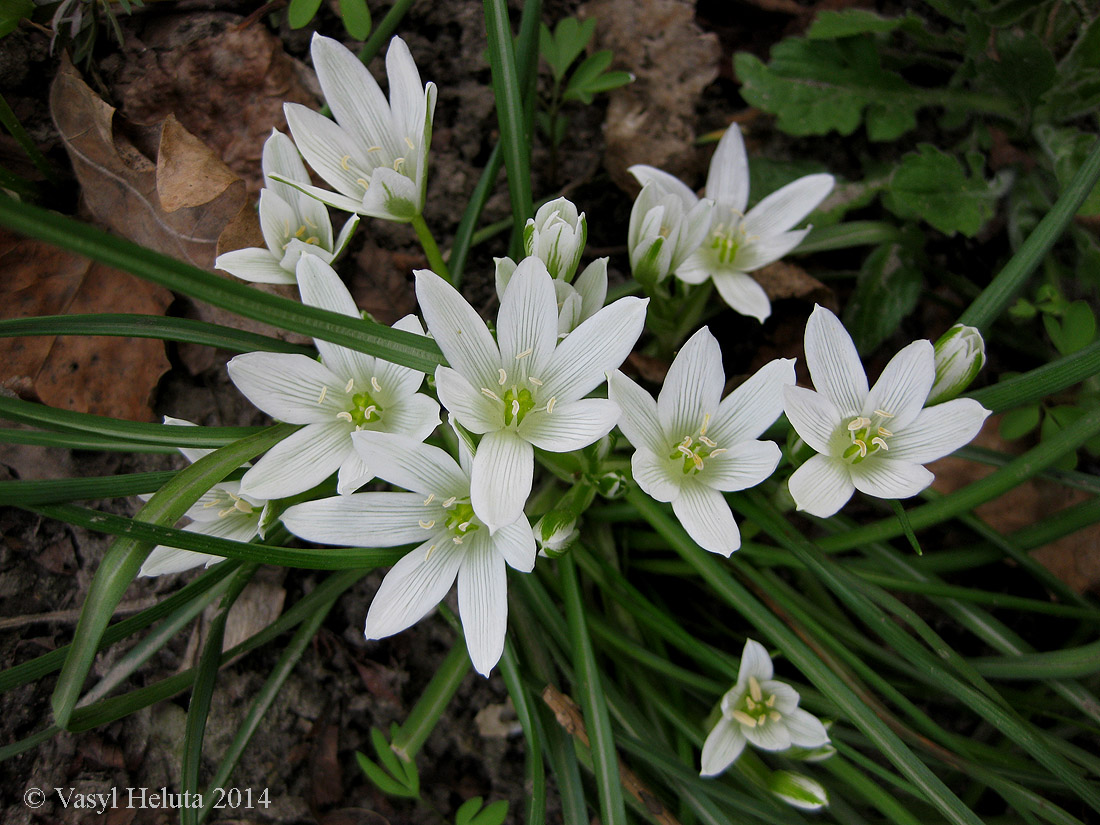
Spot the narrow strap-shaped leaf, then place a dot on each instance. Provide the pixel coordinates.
(133, 325)
(438, 693)
(402, 348)
(329, 558)
(70, 440)
(124, 558)
(1041, 382)
(74, 489)
(532, 733)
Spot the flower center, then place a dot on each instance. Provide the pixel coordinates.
(458, 519)
(755, 708)
(229, 503)
(726, 239)
(364, 408)
(695, 449)
(868, 436)
(518, 400)
(302, 233)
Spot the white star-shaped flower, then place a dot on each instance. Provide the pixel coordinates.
(222, 512)
(741, 242)
(524, 389)
(376, 153)
(577, 301)
(759, 710)
(875, 441)
(437, 514)
(692, 445)
(667, 224)
(293, 223)
(345, 392)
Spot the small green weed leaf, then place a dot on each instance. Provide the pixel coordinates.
(1067, 150)
(385, 782)
(1024, 68)
(565, 45)
(887, 290)
(385, 753)
(1085, 53)
(11, 12)
(818, 86)
(1056, 420)
(466, 811)
(586, 74)
(356, 17)
(833, 25)
(301, 12)
(1019, 422)
(932, 186)
(1075, 331)
(471, 812)
(1008, 12)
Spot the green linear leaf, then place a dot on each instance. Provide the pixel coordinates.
(72, 489)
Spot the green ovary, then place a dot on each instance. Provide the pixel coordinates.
(461, 520)
(366, 409)
(516, 405)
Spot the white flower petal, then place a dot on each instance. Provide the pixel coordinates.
(707, 518)
(805, 729)
(516, 543)
(321, 287)
(592, 286)
(938, 431)
(728, 177)
(754, 406)
(745, 465)
(353, 95)
(666, 182)
(528, 319)
(695, 268)
(255, 265)
(483, 604)
(391, 196)
(458, 329)
(280, 156)
(407, 96)
(326, 147)
(821, 486)
(755, 663)
(902, 388)
(722, 747)
(834, 363)
(416, 584)
(784, 208)
(164, 560)
(638, 417)
(353, 474)
(301, 460)
(814, 417)
(287, 386)
(397, 381)
(361, 519)
(406, 462)
(658, 477)
(766, 249)
(474, 410)
(600, 344)
(786, 697)
(886, 478)
(770, 736)
(415, 415)
(501, 480)
(693, 386)
(743, 294)
(571, 426)
(334, 199)
(278, 221)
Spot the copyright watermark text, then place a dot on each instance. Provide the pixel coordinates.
(155, 798)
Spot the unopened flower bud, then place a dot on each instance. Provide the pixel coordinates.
(556, 236)
(960, 355)
(611, 484)
(555, 532)
(798, 791)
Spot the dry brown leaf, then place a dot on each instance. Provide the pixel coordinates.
(77, 372)
(178, 203)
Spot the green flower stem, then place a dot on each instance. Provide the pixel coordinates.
(424, 716)
(133, 325)
(1001, 291)
(843, 697)
(532, 733)
(1041, 382)
(588, 685)
(1011, 475)
(435, 258)
(404, 348)
(510, 115)
(124, 558)
(384, 30)
(1072, 663)
(198, 710)
(298, 644)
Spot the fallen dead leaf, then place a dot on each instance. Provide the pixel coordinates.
(498, 721)
(78, 373)
(177, 201)
(259, 604)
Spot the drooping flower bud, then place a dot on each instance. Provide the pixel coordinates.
(798, 791)
(556, 236)
(960, 355)
(555, 532)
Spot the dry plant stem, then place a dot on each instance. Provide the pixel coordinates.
(569, 716)
(70, 616)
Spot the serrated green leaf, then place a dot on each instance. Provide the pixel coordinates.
(493, 814)
(832, 25)
(467, 810)
(815, 87)
(356, 17)
(1019, 422)
(385, 782)
(1024, 68)
(11, 12)
(932, 186)
(887, 290)
(301, 12)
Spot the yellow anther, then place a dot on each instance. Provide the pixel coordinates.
(344, 163)
(348, 387)
(775, 715)
(862, 447)
(309, 223)
(754, 689)
(550, 404)
(515, 407)
(744, 718)
(750, 704)
(707, 441)
(502, 378)
(409, 143)
(534, 381)
(719, 451)
(369, 411)
(464, 526)
(243, 506)
(685, 450)
(286, 227)
(879, 442)
(374, 385)
(345, 415)
(427, 525)
(706, 423)
(321, 397)
(428, 554)
(525, 353)
(884, 431)
(429, 499)
(226, 512)
(884, 414)
(374, 149)
(398, 163)
(301, 231)
(457, 539)
(488, 393)
(448, 502)
(698, 462)
(770, 701)
(362, 182)
(858, 424)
